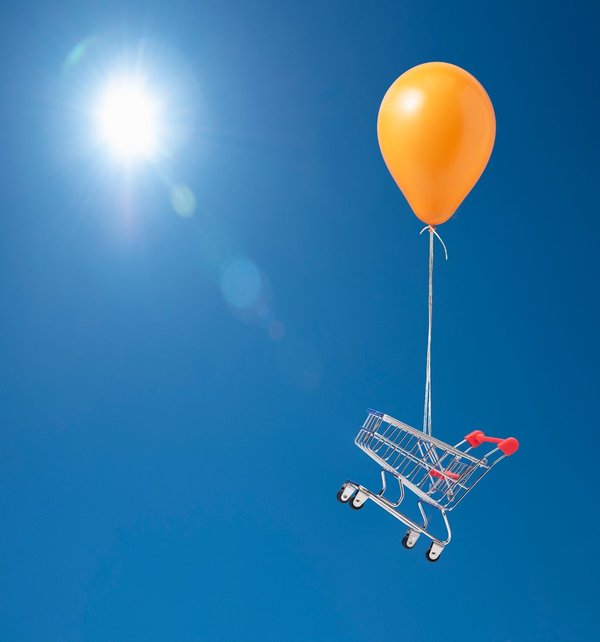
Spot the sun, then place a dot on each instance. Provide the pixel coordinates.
(128, 119)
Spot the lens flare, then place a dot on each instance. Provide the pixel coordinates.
(241, 283)
(183, 200)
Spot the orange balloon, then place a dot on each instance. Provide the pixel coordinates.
(436, 130)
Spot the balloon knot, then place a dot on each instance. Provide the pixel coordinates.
(432, 231)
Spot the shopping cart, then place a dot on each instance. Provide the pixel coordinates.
(436, 473)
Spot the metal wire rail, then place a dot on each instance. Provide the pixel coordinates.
(437, 474)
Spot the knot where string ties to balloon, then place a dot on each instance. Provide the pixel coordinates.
(427, 407)
(432, 230)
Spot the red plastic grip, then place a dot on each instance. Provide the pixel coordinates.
(508, 446)
(475, 438)
(446, 473)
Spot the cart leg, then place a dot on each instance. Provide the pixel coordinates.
(401, 491)
(437, 546)
(423, 515)
(384, 488)
(447, 528)
(411, 536)
(442, 542)
(383, 484)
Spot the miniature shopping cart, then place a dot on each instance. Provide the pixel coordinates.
(437, 474)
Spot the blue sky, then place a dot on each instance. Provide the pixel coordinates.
(168, 459)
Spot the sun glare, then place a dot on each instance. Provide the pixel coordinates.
(128, 118)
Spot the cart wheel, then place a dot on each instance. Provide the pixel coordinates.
(433, 552)
(408, 541)
(340, 495)
(361, 497)
(351, 504)
(346, 492)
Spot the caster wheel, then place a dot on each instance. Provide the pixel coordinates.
(358, 500)
(340, 495)
(351, 504)
(345, 492)
(433, 552)
(410, 539)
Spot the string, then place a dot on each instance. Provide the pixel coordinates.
(427, 405)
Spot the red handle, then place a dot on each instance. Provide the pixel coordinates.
(508, 446)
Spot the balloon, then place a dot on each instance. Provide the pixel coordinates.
(436, 130)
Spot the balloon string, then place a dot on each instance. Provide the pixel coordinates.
(427, 407)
